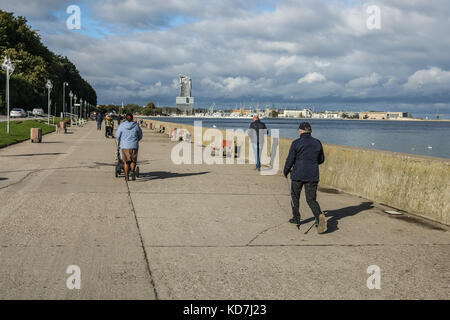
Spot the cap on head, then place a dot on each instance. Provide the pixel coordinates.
(305, 126)
(129, 117)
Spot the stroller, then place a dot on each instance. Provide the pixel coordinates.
(119, 168)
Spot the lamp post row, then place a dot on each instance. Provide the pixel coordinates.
(9, 68)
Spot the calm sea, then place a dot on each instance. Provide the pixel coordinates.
(413, 137)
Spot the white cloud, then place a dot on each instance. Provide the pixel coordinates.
(311, 78)
(322, 64)
(432, 78)
(231, 84)
(366, 81)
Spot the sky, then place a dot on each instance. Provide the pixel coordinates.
(293, 53)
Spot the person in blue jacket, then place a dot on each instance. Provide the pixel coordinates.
(305, 156)
(99, 119)
(128, 135)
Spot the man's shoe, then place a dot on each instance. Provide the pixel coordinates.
(133, 175)
(322, 224)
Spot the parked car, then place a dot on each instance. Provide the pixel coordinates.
(38, 112)
(17, 113)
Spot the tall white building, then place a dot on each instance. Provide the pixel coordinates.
(185, 100)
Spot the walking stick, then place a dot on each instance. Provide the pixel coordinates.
(310, 227)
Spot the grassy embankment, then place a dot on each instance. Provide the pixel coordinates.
(20, 130)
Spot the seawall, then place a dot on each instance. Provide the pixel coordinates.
(416, 184)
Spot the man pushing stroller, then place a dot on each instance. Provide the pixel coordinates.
(128, 135)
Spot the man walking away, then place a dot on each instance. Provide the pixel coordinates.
(305, 155)
(99, 119)
(128, 135)
(257, 131)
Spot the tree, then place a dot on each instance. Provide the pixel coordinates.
(273, 114)
(150, 105)
(131, 108)
(35, 64)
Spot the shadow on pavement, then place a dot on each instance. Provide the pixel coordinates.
(33, 154)
(1, 179)
(333, 216)
(166, 175)
(113, 164)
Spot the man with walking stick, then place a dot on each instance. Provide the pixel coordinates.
(305, 155)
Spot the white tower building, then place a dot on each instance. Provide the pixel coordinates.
(185, 101)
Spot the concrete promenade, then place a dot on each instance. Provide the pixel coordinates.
(194, 231)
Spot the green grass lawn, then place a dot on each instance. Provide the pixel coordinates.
(20, 130)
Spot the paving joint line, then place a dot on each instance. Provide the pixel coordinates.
(142, 244)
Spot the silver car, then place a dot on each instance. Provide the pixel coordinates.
(38, 112)
(17, 113)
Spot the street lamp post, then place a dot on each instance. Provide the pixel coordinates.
(65, 84)
(75, 104)
(7, 66)
(80, 114)
(71, 96)
(49, 87)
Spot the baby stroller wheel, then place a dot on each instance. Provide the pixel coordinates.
(137, 171)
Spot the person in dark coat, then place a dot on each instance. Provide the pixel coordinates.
(305, 156)
(99, 119)
(257, 132)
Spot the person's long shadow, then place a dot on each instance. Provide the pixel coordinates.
(33, 154)
(155, 175)
(333, 216)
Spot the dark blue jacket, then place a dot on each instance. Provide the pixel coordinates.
(257, 131)
(305, 155)
(99, 117)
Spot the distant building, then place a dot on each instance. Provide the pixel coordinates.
(270, 112)
(305, 113)
(185, 100)
(333, 115)
(383, 115)
(318, 115)
(241, 112)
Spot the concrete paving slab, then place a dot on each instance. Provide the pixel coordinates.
(107, 272)
(300, 272)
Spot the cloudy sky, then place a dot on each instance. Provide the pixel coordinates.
(286, 52)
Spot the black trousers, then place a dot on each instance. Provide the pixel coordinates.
(311, 194)
(108, 131)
